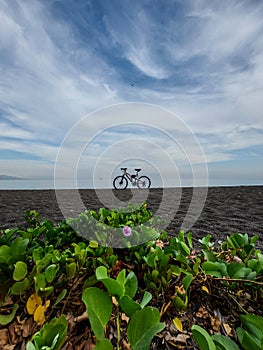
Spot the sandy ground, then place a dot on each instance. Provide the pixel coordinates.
(226, 209)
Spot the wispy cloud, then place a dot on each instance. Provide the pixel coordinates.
(61, 60)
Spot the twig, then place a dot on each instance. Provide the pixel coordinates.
(164, 308)
(241, 307)
(236, 280)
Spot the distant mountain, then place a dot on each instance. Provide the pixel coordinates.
(7, 177)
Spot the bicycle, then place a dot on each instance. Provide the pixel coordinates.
(121, 182)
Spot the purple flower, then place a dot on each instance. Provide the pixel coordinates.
(127, 231)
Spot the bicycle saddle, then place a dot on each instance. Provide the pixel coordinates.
(124, 169)
(138, 170)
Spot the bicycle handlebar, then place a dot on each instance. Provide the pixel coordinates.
(124, 169)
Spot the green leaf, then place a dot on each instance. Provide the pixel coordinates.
(101, 273)
(237, 240)
(5, 253)
(30, 346)
(37, 254)
(254, 239)
(40, 281)
(51, 272)
(209, 255)
(247, 340)
(54, 342)
(114, 287)
(99, 308)
(202, 338)
(146, 298)
(5, 319)
(180, 236)
(155, 275)
(254, 325)
(179, 303)
(252, 319)
(238, 270)
(121, 277)
(190, 239)
(44, 262)
(20, 271)
(224, 343)
(44, 292)
(129, 306)
(57, 326)
(20, 287)
(150, 259)
(38, 341)
(187, 280)
(71, 269)
(185, 248)
(143, 326)
(216, 269)
(18, 249)
(103, 344)
(131, 284)
(93, 244)
(60, 297)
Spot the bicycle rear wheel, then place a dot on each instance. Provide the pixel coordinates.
(120, 183)
(143, 182)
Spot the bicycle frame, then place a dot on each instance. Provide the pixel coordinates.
(132, 178)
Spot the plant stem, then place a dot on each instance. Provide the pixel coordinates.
(118, 328)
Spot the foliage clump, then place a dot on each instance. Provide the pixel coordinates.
(59, 290)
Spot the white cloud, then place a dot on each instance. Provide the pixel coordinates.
(14, 132)
(205, 67)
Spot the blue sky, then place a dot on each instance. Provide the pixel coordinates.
(62, 60)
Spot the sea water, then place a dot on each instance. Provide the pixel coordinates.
(43, 184)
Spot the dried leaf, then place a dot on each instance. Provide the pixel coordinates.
(181, 338)
(27, 328)
(237, 259)
(202, 312)
(39, 315)
(4, 336)
(228, 329)
(125, 345)
(159, 243)
(216, 324)
(114, 301)
(124, 317)
(33, 302)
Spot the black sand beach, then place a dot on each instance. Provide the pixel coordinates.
(226, 210)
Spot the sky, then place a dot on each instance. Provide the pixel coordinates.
(174, 87)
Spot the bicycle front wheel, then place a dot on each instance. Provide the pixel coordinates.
(120, 183)
(143, 182)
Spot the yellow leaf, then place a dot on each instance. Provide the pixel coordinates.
(33, 302)
(204, 288)
(39, 315)
(47, 303)
(239, 292)
(178, 324)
